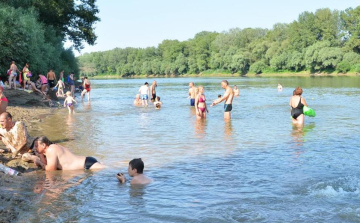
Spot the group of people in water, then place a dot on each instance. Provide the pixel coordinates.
(146, 92)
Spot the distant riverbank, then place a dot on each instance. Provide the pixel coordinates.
(302, 74)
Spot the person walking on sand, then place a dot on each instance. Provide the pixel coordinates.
(69, 102)
(14, 71)
(51, 78)
(87, 89)
(144, 93)
(153, 90)
(227, 97)
(56, 157)
(192, 93)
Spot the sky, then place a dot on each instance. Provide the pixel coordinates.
(144, 23)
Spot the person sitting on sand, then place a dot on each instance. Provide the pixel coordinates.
(3, 101)
(60, 88)
(56, 157)
(16, 138)
(135, 170)
(157, 102)
(26, 79)
(137, 100)
(69, 102)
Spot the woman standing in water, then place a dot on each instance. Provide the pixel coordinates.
(200, 105)
(297, 104)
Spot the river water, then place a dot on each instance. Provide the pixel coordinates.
(255, 168)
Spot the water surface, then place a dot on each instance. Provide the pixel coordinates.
(257, 167)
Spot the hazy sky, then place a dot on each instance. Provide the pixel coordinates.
(143, 23)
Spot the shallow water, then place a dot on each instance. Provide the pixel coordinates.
(257, 167)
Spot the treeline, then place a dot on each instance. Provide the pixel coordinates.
(34, 31)
(324, 41)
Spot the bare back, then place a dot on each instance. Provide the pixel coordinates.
(51, 76)
(294, 101)
(192, 92)
(63, 158)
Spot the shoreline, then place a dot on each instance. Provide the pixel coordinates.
(116, 76)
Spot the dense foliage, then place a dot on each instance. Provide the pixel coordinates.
(324, 41)
(34, 31)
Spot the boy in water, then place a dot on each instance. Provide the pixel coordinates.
(157, 102)
(135, 170)
(69, 102)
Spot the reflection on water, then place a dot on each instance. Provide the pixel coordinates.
(214, 170)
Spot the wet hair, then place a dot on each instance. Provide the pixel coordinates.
(137, 164)
(7, 115)
(219, 95)
(225, 81)
(146, 83)
(157, 105)
(298, 91)
(158, 98)
(44, 139)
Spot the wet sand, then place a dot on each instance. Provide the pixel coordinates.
(31, 109)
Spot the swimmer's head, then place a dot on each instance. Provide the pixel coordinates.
(219, 96)
(136, 166)
(157, 106)
(138, 96)
(41, 143)
(157, 98)
(68, 93)
(298, 91)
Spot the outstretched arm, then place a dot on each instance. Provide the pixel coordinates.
(223, 98)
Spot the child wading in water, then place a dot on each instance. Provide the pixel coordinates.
(60, 86)
(135, 170)
(157, 103)
(69, 102)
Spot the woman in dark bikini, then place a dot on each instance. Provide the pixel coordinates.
(200, 105)
(297, 104)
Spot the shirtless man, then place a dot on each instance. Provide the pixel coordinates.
(192, 93)
(153, 90)
(51, 78)
(227, 97)
(16, 138)
(60, 158)
(135, 170)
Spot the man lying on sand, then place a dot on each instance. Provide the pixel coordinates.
(60, 158)
(135, 170)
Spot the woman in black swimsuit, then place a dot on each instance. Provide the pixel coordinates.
(297, 104)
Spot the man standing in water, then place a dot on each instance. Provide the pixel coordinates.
(192, 93)
(51, 78)
(227, 97)
(153, 91)
(144, 93)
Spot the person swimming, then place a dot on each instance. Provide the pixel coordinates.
(157, 102)
(135, 170)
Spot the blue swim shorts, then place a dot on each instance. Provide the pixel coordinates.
(192, 102)
(144, 97)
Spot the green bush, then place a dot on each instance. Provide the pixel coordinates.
(258, 67)
(343, 67)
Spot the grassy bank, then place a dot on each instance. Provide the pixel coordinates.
(285, 74)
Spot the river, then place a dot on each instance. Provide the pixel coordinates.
(255, 168)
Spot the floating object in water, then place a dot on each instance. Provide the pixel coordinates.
(309, 111)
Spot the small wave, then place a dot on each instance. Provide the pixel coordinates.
(342, 186)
